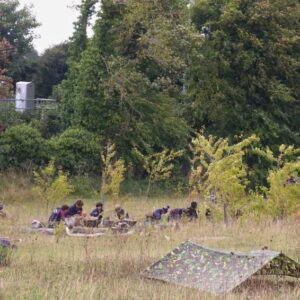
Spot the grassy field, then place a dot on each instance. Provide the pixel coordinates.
(109, 267)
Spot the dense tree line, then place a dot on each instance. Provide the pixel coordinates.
(247, 78)
(156, 72)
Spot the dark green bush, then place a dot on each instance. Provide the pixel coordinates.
(22, 147)
(77, 151)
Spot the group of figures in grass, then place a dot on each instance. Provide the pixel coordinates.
(95, 218)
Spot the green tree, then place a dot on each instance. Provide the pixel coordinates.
(129, 79)
(113, 173)
(22, 147)
(16, 26)
(245, 77)
(159, 166)
(218, 171)
(78, 43)
(284, 192)
(51, 186)
(5, 81)
(51, 70)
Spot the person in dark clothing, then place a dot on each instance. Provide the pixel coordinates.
(57, 215)
(120, 213)
(97, 212)
(208, 214)
(157, 214)
(75, 209)
(292, 180)
(191, 212)
(175, 214)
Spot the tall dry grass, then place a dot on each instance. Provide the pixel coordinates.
(109, 267)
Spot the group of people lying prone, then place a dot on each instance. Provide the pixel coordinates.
(64, 212)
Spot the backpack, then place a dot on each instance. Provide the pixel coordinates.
(55, 215)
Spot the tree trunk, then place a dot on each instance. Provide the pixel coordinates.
(148, 188)
(225, 209)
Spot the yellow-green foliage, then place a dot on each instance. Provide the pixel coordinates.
(284, 197)
(219, 168)
(59, 231)
(51, 186)
(158, 165)
(113, 173)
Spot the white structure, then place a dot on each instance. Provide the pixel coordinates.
(25, 96)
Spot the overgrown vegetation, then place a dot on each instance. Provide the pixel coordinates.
(113, 173)
(110, 267)
(51, 186)
(158, 166)
(197, 98)
(150, 78)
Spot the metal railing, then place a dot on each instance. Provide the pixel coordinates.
(38, 103)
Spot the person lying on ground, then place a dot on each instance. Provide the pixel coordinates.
(120, 212)
(157, 214)
(57, 215)
(75, 209)
(191, 211)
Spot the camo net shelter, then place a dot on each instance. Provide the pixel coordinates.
(216, 271)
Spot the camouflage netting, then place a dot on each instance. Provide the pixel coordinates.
(216, 271)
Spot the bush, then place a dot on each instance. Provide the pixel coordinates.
(283, 196)
(48, 122)
(77, 151)
(51, 186)
(22, 147)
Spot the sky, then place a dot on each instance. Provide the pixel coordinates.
(56, 18)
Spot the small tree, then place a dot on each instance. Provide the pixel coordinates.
(6, 83)
(283, 194)
(51, 186)
(218, 169)
(113, 173)
(158, 165)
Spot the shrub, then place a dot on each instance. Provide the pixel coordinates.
(218, 171)
(159, 165)
(48, 122)
(113, 173)
(22, 147)
(77, 151)
(284, 193)
(51, 186)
